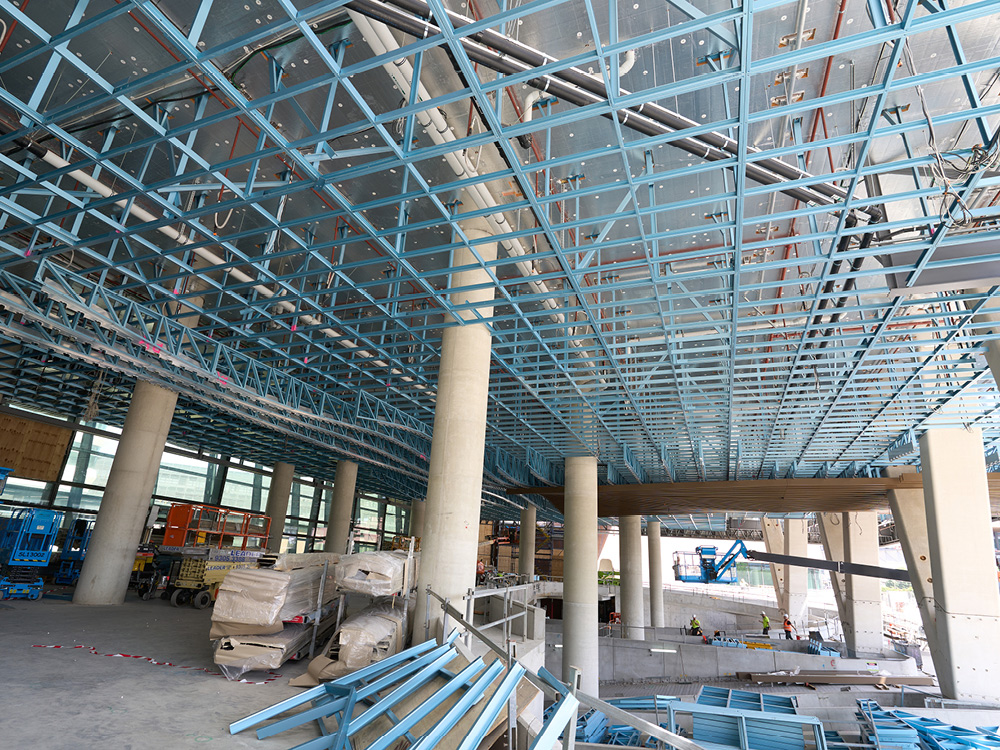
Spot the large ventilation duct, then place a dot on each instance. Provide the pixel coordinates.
(505, 55)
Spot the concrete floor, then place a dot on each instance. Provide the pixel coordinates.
(70, 698)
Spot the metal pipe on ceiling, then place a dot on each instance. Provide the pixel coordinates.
(381, 40)
(505, 55)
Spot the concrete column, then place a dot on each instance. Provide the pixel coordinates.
(774, 542)
(580, 574)
(125, 505)
(910, 516)
(277, 503)
(338, 527)
(963, 567)
(632, 609)
(796, 543)
(450, 543)
(417, 509)
(657, 617)
(831, 532)
(526, 548)
(863, 595)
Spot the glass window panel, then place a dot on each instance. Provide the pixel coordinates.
(90, 459)
(78, 497)
(182, 478)
(300, 503)
(245, 490)
(25, 491)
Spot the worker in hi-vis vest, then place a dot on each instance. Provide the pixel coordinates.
(788, 628)
(695, 626)
(765, 622)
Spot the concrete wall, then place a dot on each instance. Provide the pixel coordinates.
(623, 660)
(720, 613)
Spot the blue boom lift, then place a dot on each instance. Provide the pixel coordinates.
(705, 565)
(26, 540)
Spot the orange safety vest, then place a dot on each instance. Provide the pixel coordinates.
(788, 625)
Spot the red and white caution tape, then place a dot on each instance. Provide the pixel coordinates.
(91, 650)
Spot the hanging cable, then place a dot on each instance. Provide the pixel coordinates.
(949, 217)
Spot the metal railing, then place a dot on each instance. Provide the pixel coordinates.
(553, 689)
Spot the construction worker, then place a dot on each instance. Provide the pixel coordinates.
(695, 626)
(787, 625)
(765, 622)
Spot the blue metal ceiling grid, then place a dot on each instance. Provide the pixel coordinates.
(737, 241)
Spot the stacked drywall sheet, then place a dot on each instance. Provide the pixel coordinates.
(371, 635)
(254, 606)
(376, 573)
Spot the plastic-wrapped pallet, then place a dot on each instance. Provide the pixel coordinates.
(369, 636)
(375, 573)
(256, 601)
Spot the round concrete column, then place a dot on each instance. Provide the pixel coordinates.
(580, 576)
(526, 548)
(630, 541)
(118, 530)
(277, 503)
(338, 527)
(450, 544)
(656, 615)
(417, 509)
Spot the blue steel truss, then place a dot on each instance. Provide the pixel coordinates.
(736, 240)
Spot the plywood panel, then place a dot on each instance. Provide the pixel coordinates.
(32, 449)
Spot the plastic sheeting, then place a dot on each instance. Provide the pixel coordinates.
(238, 654)
(264, 598)
(374, 573)
(296, 560)
(369, 636)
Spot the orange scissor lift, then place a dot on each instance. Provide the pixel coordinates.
(211, 542)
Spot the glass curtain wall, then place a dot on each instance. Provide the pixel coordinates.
(204, 478)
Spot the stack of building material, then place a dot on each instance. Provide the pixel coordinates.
(428, 696)
(252, 618)
(935, 734)
(376, 573)
(883, 729)
(745, 700)
(377, 632)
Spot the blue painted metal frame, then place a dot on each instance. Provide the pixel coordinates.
(670, 339)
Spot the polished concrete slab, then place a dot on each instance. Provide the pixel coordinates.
(70, 698)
